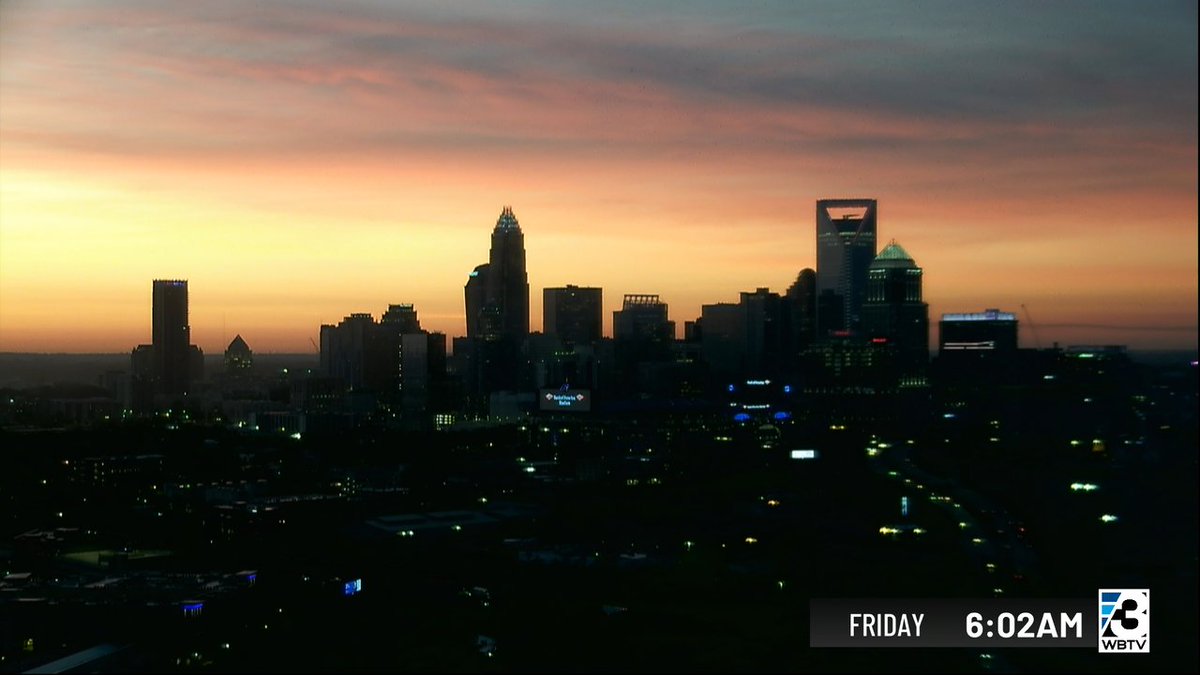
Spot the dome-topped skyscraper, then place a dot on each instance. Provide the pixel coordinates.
(893, 276)
(893, 309)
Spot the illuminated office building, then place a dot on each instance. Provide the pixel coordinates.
(989, 331)
(893, 310)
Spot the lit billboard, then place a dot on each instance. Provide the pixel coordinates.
(571, 400)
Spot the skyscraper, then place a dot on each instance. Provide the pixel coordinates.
(497, 304)
(171, 337)
(238, 357)
(766, 332)
(800, 303)
(845, 249)
(506, 282)
(642, 334)
(572, 314)
(989, 331)
(395, 360)
(893, 310)
(476, 298)
(643, 318)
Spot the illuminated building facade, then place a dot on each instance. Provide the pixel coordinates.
(893, 310)
(989, 331)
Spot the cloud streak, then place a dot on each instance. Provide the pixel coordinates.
(1027, 124)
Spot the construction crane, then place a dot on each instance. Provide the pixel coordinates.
(317, 350)
(1032, 327)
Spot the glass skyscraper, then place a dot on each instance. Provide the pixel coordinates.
(845, 249)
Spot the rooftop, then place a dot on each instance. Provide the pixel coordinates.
(507, 221)
(893, 255)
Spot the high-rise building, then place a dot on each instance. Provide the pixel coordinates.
(401, 319)
(893, 310)
(746, 339)
(165, 370)
(989, 331)
(573, 314)
(642, 334)
(507, 283)
(394, 361)
(845, 249)
(238, 357)
(497, 303)
(766, 332)
(801, 298)
(643, 318)
(171, 337)
(346, 349)
(476, 297)
(723, 338)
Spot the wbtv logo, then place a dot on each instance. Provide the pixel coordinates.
(1125, 620)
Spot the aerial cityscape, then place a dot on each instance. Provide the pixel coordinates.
(550, 337)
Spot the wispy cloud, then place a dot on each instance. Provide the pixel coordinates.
(1027, 123)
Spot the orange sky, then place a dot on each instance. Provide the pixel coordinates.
(297, 165)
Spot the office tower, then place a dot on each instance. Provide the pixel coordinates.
(989, 331)
(238, 357)
(893, 310)
(746, 339)
(765, 333)
(401, 319)
(801, 299)
(345, 349)
(723, 338)
(171, 337)
(845, 249)
(497, 299)
(643, 318)
(573, 314)
(642, 334)
(506, 282)
(476, 298)
(394, 361)
(141, 377)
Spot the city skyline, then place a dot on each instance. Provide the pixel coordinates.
(297, 166)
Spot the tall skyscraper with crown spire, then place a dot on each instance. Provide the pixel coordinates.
(497, 304)
(497, 292)
(507, 283)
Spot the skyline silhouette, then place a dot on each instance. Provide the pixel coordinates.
(297, 165)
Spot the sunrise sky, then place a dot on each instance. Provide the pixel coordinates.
(300, 161)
